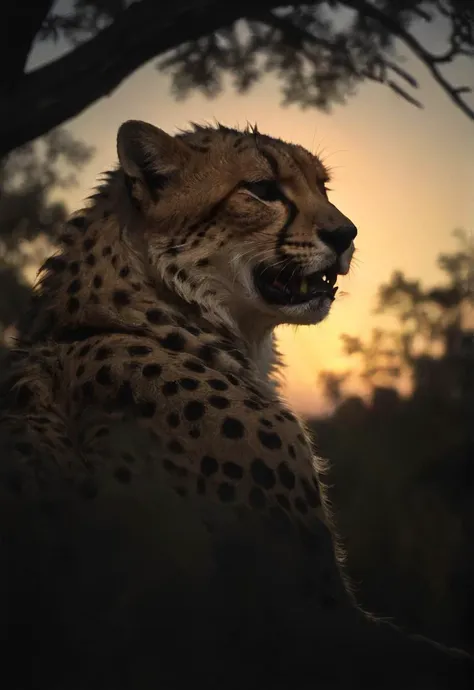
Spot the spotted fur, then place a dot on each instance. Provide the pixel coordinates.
(146, 370)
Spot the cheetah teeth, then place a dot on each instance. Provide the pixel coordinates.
(304, 286)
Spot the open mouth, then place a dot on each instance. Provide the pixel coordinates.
(288, 286)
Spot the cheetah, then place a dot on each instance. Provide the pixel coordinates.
(164, 519)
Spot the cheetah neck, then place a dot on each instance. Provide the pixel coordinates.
(98, 283)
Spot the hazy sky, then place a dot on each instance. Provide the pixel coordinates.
(404, 176)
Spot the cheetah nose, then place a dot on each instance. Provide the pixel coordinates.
(340, 238)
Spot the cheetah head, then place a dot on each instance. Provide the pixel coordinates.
(236, 221)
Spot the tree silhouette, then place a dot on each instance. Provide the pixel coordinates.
(402, 475)
(320, 51)
(28, 176)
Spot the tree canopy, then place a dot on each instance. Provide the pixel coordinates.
(28, 212)
(320, 51)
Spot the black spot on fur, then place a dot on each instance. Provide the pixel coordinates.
(121, 298)
(170, 388)
(90, 260)
(103, 353)
(139, 350)
(173, 341)
(218, 384)
(173, 419)
(207, 353)
(286, 476)
(269, 439)
(290, 417)
(155, 316)
(262, 475)
(188, 384)
(151, 371)
(218, 401)
(97, 282)
(67, 239)
(74, 287)
(74, 268)
(232, 428)
(194, 366)
(209, 466)
(88, 244)
(194, 410)
(199, 149)
(107, 251)
(78, 222)
(232, 470)
(104, 376)
(124, 271)
(291, 451)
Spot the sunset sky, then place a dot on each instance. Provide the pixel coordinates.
(404, 176)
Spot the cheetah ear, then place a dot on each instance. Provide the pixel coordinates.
(150, 156)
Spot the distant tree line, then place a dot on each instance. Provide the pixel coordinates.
(402, 477)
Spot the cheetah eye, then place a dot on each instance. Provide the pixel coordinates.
(266, 190)
(324, 189)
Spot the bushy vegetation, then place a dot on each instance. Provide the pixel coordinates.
(402, 477)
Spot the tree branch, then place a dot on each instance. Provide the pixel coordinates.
(376, 72)
(21, 22)
(61, 90)
(430, 61)
(51, 95)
